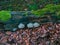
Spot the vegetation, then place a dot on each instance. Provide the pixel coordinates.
(20, 5)
(5, 15)
(50, 8)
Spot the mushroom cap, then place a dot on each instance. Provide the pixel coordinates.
(21, 25)
(36, 24)
(30, 25)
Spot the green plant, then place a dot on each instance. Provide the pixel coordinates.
(5, 15)
(48, 8)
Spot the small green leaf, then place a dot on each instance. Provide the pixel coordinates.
(5, 15)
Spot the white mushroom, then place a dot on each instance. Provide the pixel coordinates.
(36, 24)
(21, 25)
(14, 29)
(30, 25)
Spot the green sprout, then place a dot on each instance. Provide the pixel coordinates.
(5, 15)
